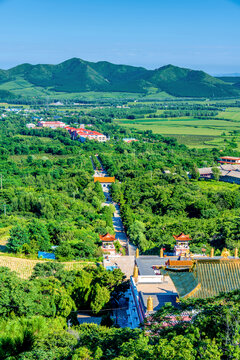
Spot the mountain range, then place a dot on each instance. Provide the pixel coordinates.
(76, 76)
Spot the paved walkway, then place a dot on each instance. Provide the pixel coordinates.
(117, 221)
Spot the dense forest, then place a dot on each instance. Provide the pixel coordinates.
(158, 199)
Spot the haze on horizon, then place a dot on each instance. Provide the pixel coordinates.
(195, 34)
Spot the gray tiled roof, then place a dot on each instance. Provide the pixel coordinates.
(234, 174)
(230, 167)
(232, 171)
(206, 170)
(145, 263)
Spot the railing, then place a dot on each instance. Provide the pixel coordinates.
(150, 279)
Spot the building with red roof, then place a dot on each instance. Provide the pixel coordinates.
(108, 243)
(229, 160)
(80, 134)
(182, 247)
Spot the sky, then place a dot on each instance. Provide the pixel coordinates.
(198, 34)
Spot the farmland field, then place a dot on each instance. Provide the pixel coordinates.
(194, 132)
(231, 114)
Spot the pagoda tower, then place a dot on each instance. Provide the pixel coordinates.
(182, 245)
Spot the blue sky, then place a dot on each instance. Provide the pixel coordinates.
(200, 34)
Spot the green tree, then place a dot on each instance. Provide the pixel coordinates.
(18, 237)
(47, 269)
(39, 236)
(216, 173)
(101, 297)
(195, 173)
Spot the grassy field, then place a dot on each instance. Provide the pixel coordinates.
(40, 156)
(230, 113)
(217, 185)
(24, 267)
(193, 132)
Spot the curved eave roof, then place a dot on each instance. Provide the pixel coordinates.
(209, 278)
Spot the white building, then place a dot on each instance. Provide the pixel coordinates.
(51, 124)
(30, 126)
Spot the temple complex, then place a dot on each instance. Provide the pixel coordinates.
(158, 280)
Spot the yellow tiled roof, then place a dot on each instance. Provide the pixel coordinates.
(208, 278)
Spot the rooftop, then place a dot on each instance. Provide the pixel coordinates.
(107, 237)
(210, 277)
(145, 263)
(179, 263)
(229, 158)
(104, 179)
(182, 237)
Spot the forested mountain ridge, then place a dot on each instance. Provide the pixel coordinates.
(76, 75)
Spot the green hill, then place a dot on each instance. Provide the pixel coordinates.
(76, 75)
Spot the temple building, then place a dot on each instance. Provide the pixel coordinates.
(182, 245)
(207, 277)
(108, 243)
(149, 288)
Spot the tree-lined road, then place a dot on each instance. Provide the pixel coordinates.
(121, 235)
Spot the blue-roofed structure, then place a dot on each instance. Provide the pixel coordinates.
(46, 255)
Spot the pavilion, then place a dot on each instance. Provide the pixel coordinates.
(108, 243)
(182, 245)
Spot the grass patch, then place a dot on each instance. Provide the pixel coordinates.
(24, 267)
(197, 141)
(39, 156)
(217, 185)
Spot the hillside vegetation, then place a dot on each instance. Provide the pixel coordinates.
(76, 75)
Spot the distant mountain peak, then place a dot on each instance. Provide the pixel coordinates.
(76, 75)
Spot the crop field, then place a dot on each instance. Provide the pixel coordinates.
(181, 126)
(192, 131)
(231, 114)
